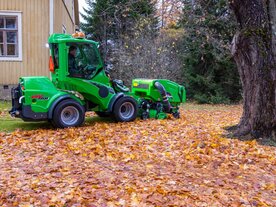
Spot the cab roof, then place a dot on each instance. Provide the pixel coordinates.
(63, 38)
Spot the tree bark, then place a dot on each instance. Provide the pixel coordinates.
(272, 15)
(253, 52)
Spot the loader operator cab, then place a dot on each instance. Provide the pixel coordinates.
(83, 60)
(74, 58)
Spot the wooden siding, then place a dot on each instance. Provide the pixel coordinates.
(35, 32)
(70, 8)
(63, 15)
(77, 10)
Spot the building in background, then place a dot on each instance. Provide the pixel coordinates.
(25, 26)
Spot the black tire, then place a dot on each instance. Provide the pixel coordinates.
(145, 115)
(176, 115)
(103, 114)
(125, 109)
(68, 113)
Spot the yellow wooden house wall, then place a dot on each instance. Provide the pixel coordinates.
(64, 15)
(35, 33)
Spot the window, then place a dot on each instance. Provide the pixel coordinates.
(83, 60)
(10, 36)
(55, 54)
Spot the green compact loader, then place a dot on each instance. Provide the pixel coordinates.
(64, 99)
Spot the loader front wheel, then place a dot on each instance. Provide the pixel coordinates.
(68, 113)
(125, 109)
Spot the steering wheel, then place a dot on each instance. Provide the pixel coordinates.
(89, 71)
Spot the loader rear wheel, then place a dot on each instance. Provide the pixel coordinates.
(125, 109)
(68, 113)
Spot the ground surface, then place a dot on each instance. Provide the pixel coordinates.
(185, 162)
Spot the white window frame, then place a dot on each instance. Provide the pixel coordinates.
(18, 14)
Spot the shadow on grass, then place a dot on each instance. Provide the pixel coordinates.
(8, 124)
(249, 137)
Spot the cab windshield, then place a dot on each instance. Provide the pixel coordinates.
(83, 60)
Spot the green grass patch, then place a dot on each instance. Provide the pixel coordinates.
(12, 124)
(5, 106)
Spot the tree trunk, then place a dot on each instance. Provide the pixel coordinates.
(253, 52)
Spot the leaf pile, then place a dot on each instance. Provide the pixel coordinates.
(184, 162)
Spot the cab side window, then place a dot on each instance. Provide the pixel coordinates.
(55, 55)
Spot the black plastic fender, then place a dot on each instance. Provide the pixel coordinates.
(55, 103)
(113, 101)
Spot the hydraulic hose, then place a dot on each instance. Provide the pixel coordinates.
(164, 95)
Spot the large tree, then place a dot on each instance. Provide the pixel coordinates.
(253, 52)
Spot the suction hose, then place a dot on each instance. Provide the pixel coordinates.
(163, 93)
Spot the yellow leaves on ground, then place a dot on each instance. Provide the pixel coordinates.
(184, 162)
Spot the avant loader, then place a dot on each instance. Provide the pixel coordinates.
(64, 99)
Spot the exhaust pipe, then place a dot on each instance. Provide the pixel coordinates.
(20, 99)
(164, 95)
